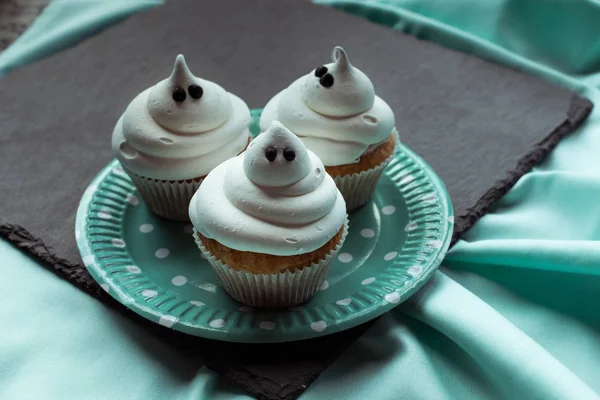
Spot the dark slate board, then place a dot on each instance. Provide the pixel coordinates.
(479, 125)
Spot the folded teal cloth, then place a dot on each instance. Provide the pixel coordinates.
(511, 314)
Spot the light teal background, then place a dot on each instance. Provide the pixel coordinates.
(513, 314)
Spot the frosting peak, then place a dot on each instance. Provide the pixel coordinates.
(185, 103)
(275, 198)
(338, 89)
(276, 158)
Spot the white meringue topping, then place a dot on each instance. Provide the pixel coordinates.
(280, 206)
(162, 138)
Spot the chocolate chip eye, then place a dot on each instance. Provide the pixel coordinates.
(289, 154)
(195, 91)
(319, 72)
(326, 80)
(271, 154)
(178, 94)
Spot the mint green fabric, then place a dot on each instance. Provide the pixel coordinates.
(64, 23)
(511, 314)
(59, 343)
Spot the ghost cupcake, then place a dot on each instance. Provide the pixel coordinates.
(174, 133)
(270, 221)
(335, 111)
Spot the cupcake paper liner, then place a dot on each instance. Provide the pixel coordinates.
(358, 188)
(278, 290)
(168, 199)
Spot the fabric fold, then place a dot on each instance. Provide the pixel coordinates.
(511, 359)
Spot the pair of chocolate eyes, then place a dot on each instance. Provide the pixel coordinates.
(271, 154)
(326, 79)
(195, 92)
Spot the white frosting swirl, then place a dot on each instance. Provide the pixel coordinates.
(280, 207)
(337, 122)
(161, 138)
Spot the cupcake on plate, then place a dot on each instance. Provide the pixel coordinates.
(174, 133)
(270, 221)
(335, 111)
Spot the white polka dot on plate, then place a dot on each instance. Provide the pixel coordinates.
(390, 256)
(246, 309)
(407, 179)
(217, 323)
(436, 244)
(197, 303)
(88, 260)
(367, 281)
(77, 235)
(393, 297)
(367, 233)
(189, 228)
(167, 320)
(118, 243)
(345, 257)
(90, 190)
(104, 215)
(415, 270)
(411, 226)
(133, 200)
(450, 219)
(149, 293)
(267, 325)
(105, 287)
(146, 228)
(318, 326)
(209, 287)
(162, 253)
(344, 302)
(388, 210)
(134, 269)
(118, 170)
(179, 280)
(429, 198)
(324, 285)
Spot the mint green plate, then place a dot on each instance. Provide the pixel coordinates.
(153, 266)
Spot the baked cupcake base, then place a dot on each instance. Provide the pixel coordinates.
(357, 182)
(298, 277)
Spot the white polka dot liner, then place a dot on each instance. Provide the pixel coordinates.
(154, 267)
